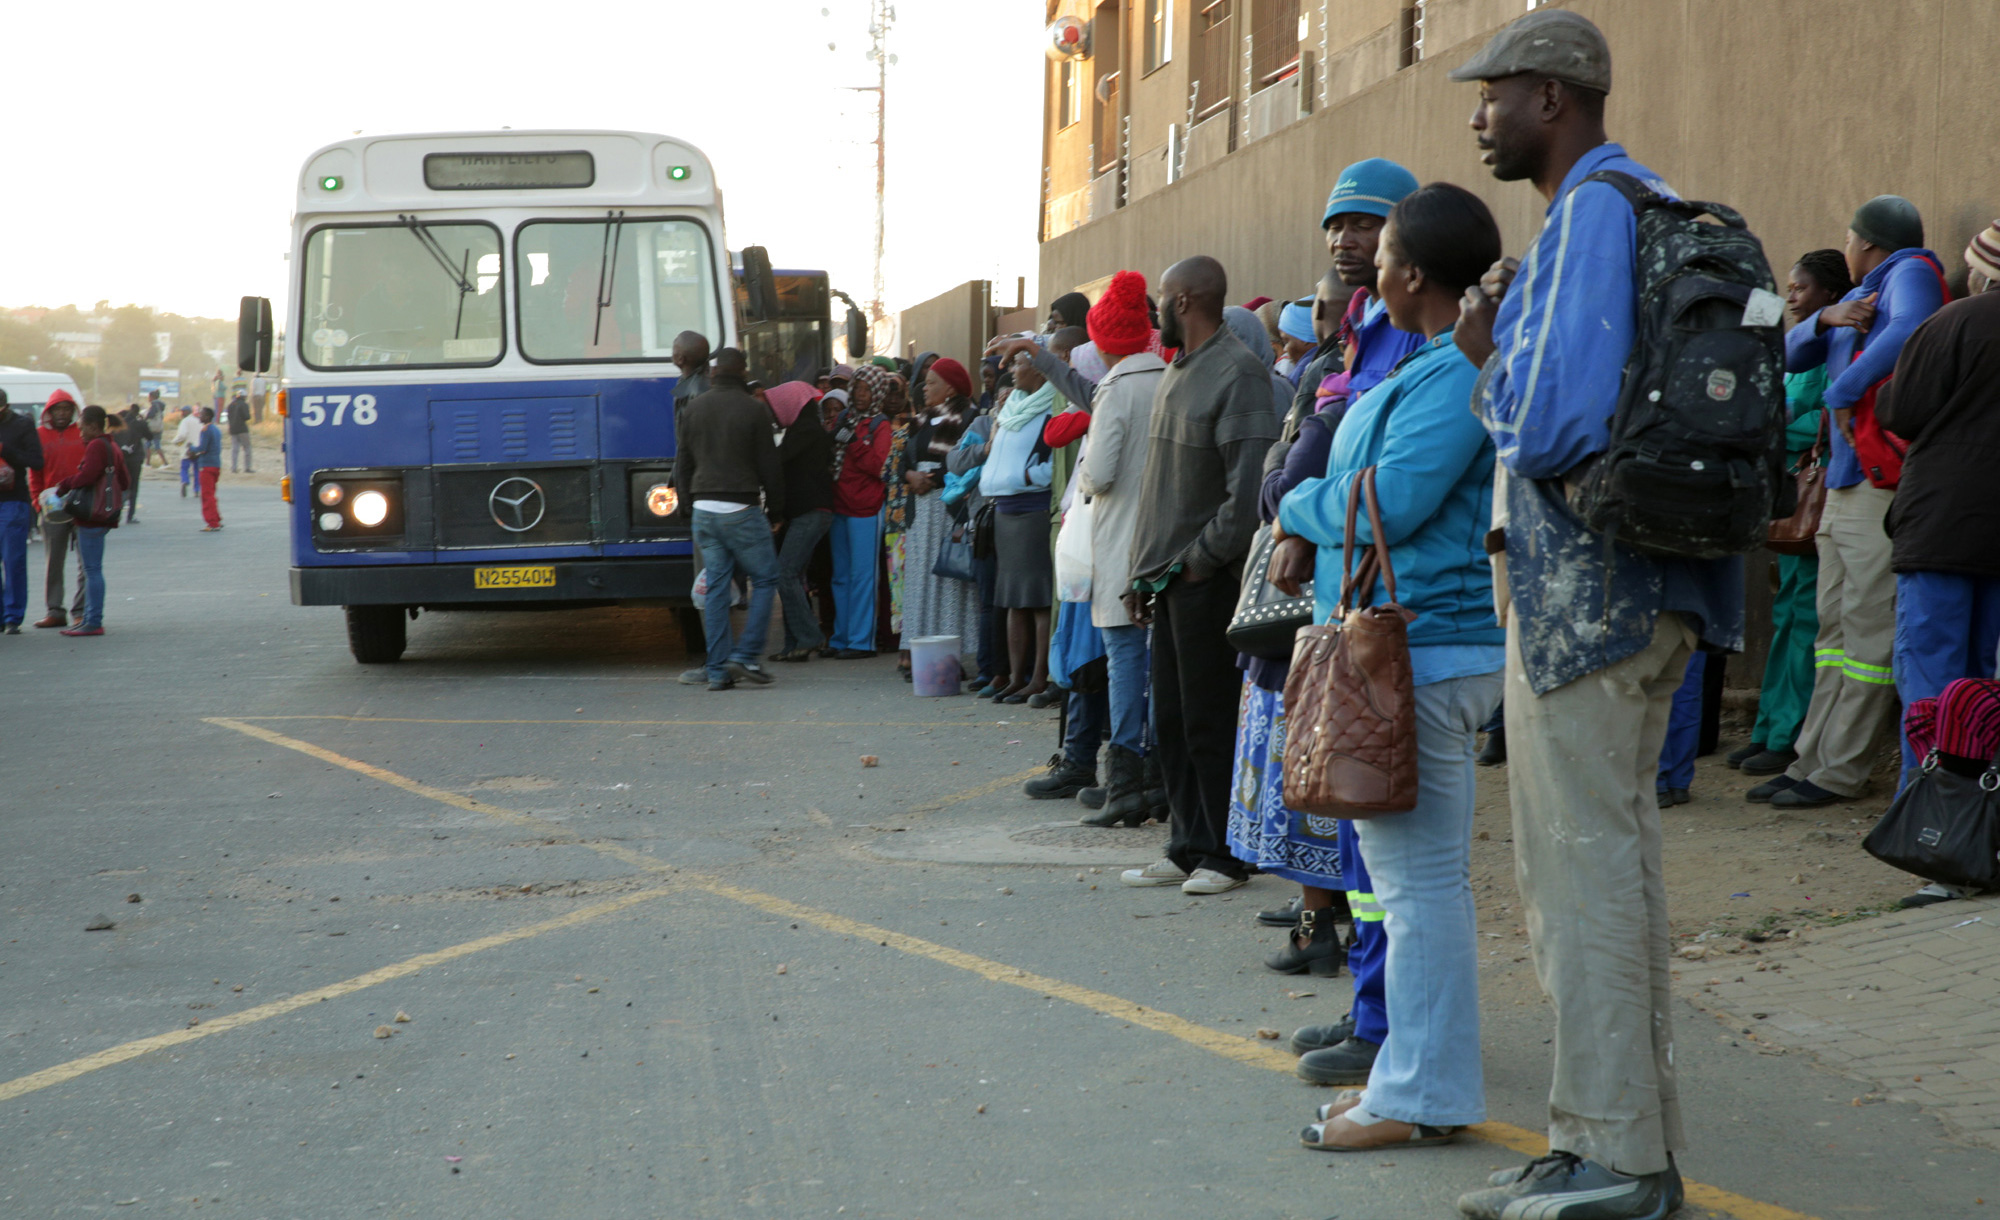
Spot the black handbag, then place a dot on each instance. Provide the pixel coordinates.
(1945, 826)
(954, 557)
(982, 530)
(1266, 617)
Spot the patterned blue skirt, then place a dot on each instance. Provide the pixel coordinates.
(1261, 830)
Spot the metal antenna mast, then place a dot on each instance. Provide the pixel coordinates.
(883, 16)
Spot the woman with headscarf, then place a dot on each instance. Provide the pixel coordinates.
(805, 452)
(896, 505)
(1069, 309)
(1250, 329)
(860, 447)
(933, 604)
(1019, 469)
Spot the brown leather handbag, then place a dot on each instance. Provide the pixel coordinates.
(1350, 702)
(1793, 535)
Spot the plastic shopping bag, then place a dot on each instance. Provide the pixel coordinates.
(1073, 554)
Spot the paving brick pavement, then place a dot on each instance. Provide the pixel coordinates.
(1905, 1002)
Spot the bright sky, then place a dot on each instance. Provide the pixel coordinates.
(156, 161)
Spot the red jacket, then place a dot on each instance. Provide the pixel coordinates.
(859, 491)
(100, 454)
(61, 451)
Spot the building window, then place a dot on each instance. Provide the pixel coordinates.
(1159, 19)
(1215, 57)
(1274, 41)
(1413, 33)
(1069, 100)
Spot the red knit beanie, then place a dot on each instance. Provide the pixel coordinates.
(1119, 324)
(954, 374)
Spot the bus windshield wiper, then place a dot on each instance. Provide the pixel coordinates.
(422, 233)
(607, 270)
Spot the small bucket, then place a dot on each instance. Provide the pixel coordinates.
(934, 669)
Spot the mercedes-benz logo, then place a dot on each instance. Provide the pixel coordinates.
(517, 504)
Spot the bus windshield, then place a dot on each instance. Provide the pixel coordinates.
(613, 289)
(403, 294)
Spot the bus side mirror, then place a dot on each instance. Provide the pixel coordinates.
(253, 335)
(857, 334)
(759, 284)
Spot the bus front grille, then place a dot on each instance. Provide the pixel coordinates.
(522, 507)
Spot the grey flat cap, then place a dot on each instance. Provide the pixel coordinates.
(1552, 42)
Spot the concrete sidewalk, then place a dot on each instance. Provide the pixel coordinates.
(1908, 1002)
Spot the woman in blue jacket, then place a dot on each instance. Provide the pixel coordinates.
(1434, 475)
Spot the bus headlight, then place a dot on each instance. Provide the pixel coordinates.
(330, 522)
(371, 508)
(662, 500)
(330, 494)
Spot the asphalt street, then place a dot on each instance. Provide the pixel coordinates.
(667, 953)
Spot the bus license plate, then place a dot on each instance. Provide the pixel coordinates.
(514, 578)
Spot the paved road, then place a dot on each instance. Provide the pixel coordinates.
(671, 954)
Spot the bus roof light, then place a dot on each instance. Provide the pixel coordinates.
(330, 183)
(679, 173)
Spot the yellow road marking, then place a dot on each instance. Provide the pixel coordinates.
(722, 724)
(111, 1056)
(1247, 1051)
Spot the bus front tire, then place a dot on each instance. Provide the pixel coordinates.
(377, 635)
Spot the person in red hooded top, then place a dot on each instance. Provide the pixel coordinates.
(62, 450)
(860, 448)
(100, 460)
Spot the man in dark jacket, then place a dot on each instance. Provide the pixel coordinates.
(1944, 526)
(238, 415)
(1212, 423)
(20, 452)
(726, 457)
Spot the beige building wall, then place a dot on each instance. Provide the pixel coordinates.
(956, 323)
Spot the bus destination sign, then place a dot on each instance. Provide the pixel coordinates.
(508, 171)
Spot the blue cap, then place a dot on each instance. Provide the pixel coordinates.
(1372, 186)
(1296, 320)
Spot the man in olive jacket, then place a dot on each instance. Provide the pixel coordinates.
(726, 462)
(1211, 425)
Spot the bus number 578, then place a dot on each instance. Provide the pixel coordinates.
(314, 409)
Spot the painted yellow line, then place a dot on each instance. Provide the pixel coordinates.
(721, 724)
(111, 1056)
(1247, 1051)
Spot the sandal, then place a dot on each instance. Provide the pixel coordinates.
(1356, 1130)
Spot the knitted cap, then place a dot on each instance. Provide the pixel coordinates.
(954, 374)
(1119, 324)
(1297, 321)
(1889, 221)
(1372, 187)
(1983, 255)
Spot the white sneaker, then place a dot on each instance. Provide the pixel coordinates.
(1163, 872)
(1208, 881)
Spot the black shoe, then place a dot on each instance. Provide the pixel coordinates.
(1762, 793)
(1735, 757)
(1564, 1186)
(1064, 780)
(1091, 798)
(1124, 790)
(739, 672)
(1669, 797)
(1286, 916)
(853, 654)
(1154, 787)
(1310, 1038)
(1321, 954)
(1805, 795)
(1347, 1063)
(1494, 752)
(723, 684)
(1768, 762)
(1930, 895)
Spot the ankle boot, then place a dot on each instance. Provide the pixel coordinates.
(1321, 954)
(1124, 794)
(1153, 786)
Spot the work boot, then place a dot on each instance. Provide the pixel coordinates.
(1494, 752)
(1315, 947)
(1124, 791)
(1347, 1063)
(1153, 786)
(1091, 798)
(1309, 1038)
(56, 618)
(1064, 780)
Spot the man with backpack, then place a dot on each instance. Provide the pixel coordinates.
(1898, 284)
(101, 475)
(1599, 632)
(62, 450)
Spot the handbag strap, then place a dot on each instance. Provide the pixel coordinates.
(1376, 563)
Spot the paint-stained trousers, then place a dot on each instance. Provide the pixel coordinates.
(1582, 761)
(1854, 687)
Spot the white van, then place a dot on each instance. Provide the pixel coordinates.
(28, 389)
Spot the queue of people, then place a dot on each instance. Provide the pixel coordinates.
(1116, 470)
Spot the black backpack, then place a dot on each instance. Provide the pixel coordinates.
(1696, 464)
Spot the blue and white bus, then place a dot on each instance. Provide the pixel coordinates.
(478, 399)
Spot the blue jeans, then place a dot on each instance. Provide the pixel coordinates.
(856, 543)
(733, 542)
(90, 550)
(1947, 627)
(1684, 728)
(802, 535)
(14, 515)
(1128, 664)
(1084, 721)
(1428, 1070)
